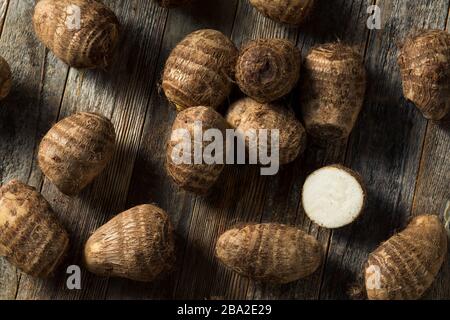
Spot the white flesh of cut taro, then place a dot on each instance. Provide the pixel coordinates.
(333, 196)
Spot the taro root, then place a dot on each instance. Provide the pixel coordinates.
(200, 70)
(405, 266)
(138, 244)
(284, 11)
(75, 150)
(82, 33)
(425, 67)
(5, 78)
(333, 85)
(333, 196)
(269, 252)
(189, 175)
(31, 237)
(268, 69)
(246, 115)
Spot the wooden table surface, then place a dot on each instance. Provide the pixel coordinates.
(403, 158)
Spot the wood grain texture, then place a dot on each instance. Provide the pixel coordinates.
(120, 94)
(385, 147)
(433, 187)
(25, 115)
(404, 161)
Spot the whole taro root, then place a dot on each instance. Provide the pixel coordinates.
(5, 78)
(269, 252)
(405, 266)
(284, 11)
(31, 238)
(200, 70)
(425, 67)
(82, 33)
(268, 69)
(137, 244)
(75, 150)
(193, 177)
(247, 114)
(332, 91)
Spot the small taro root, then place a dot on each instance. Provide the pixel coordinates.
(333, 196)
(332, 91)
(425, 67)
(268, 69)
(75, 150)
(200, 70)
(405, 266)
(269, 252)
(31, 238)
(5, 78)
(284, 11)
(137, 244)
(196, 178)
(172, 3)
(247, 114)
(82, 33)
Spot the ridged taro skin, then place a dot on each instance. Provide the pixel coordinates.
(200, 70)
(333, 86)
(75, 150)
(90, 44)
(31, 238)
(269, 252)
(5, 78)
(247, 114)
(268, 69)
(405, 266)
(195, 178)
(285, 11)
(424, 62)
(172, 3)
(137, 244)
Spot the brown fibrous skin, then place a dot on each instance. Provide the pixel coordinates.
(269, 252)
(172, 3)
(137, 244)
(90, 44)
(247, 114)
(424, 62)
(268, 69)
(75, 150)
(195, 178)
(5, 78)
(285, 11)
(200, 70)
(31, 237)
(333, 86)
(405, 266)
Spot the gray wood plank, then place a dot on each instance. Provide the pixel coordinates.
(385, 147)
(347, 20)
(150, 182)
(433, 188)
(121, 93)
(26, 114)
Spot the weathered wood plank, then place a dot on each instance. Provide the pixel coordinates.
(237, 197)
(121, 94)
(385, 147)
(38, 83)
(150, 182)
(433, 187)
(250, 197)
(346, 21)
